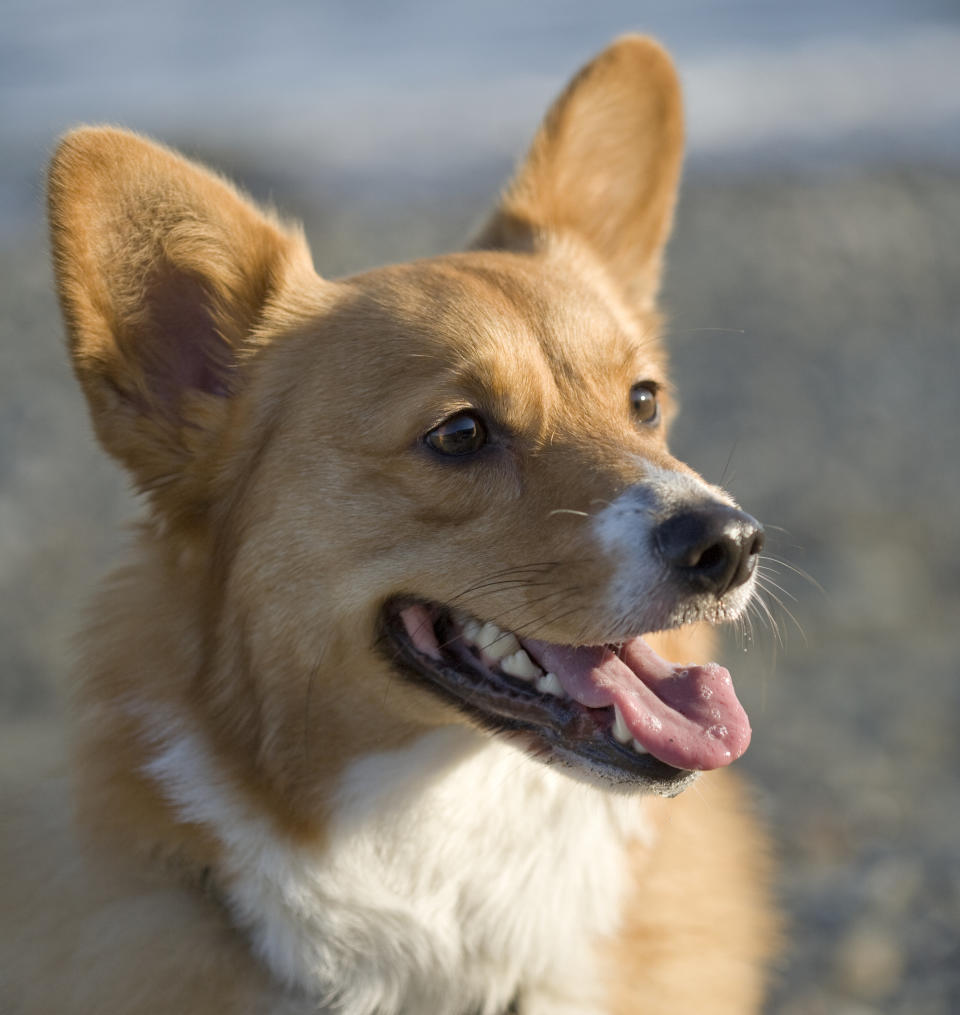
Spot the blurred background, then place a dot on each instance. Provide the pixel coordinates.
(814, 299)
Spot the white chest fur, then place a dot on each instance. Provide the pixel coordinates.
(455, 871)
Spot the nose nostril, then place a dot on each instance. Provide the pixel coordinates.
(713, 558)
(756, 544)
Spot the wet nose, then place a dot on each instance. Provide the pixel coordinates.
(712, 548)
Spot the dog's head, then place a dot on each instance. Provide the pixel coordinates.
(436, 492)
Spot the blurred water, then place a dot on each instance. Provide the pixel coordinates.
(419, 89)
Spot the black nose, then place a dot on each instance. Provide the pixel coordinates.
(713, 548)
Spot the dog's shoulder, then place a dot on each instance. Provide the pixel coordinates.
(85, 929)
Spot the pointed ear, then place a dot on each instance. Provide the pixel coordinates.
(605, 165)
(163, 271)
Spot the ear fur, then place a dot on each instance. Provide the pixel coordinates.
(605, 165)
(163, 270)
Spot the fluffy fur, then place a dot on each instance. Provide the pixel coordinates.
(270, 816)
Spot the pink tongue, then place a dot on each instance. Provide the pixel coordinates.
(686, 716)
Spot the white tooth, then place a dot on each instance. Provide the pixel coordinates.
(489, 632)
(520, 665)
(496, 643)
(549, 684)
(620, 731)
(639, 748)
(471, 630)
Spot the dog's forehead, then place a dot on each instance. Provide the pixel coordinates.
(492, 316)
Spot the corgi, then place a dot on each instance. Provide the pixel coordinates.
(403, 703)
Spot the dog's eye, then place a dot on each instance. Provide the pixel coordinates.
(460, 435)
(643, 400)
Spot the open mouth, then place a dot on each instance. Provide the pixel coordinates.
(620, 712)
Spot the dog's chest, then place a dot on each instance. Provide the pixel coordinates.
(457, 871)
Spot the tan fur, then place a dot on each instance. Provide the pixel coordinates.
(698, 924)
(272, 417)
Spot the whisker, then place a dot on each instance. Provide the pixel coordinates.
(509, 576)
(498, 618)
(765, 611)
(771, 559)
(726, 465)
(756, 609)
(764, 578)
(499, 585)
(521, 569)
(748, 636)
(525, 567)
(545, 619)
(783, 607)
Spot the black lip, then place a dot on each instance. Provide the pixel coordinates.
(551, 729)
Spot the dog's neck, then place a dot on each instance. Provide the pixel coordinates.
(454, 873)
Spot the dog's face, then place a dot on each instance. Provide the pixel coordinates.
(434, 492)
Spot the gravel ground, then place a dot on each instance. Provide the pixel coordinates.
(815, 332)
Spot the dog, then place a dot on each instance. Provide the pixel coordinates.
(391, 707)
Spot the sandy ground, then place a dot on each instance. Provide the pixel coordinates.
(816, 330)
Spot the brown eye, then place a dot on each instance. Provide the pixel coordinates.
(643, 400)
(460, 435)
